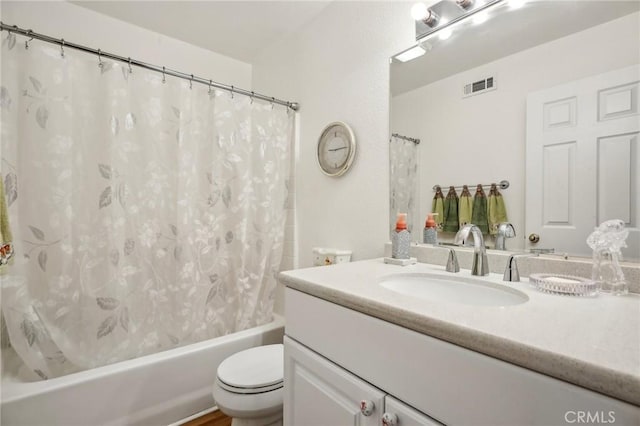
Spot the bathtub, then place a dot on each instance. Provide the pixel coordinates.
(157, 389)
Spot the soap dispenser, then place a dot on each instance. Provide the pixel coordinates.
(400, 238)
(430, 233)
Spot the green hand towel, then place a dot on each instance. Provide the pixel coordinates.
(6, 248)
(437, 206)
(496, 210)
(479, 213)
(451, 211)
(465, 207)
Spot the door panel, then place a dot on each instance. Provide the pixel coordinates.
(558, 180)
(616, 185)
(582, 161)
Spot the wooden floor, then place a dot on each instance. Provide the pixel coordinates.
(217, 418)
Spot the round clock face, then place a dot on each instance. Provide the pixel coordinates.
(336, 149)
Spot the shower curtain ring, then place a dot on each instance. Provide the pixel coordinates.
(231, 92)
(210, 83)
(191, 82)
(100, 64)
(130, 70)
(272, 102)
(164, 80)
(252, 97)
(62, 47)
(26, 43)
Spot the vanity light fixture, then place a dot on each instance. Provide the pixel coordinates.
(420, 12)
(465, 4)
(443, 15)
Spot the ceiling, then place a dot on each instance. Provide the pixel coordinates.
(238, 29)
(504, 34)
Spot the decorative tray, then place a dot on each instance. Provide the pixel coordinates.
(566, 285)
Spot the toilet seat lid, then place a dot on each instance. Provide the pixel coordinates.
(258, 367)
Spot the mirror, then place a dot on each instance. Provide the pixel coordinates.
(530, 56)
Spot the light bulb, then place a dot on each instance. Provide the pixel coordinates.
(419, 11)
(445, 33)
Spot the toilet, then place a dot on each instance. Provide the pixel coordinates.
(248, 386)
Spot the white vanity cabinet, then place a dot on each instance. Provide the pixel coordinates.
(320, 393)
(397, 413)
(336, 357)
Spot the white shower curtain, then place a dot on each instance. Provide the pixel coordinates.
(403, 182)
(146, 214)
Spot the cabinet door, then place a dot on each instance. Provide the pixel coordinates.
(318, 392)
(397, 413)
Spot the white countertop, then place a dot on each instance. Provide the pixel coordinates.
(593, 342)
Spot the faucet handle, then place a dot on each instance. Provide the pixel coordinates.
(452, 262)
(511, 273)
(505, 230)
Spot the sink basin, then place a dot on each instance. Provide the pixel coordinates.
(455, 289)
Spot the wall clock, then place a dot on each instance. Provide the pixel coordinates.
(336, 149)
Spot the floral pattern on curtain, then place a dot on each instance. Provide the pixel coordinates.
(403, 181)
(146, 214)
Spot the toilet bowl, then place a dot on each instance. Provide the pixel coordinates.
(248, 386)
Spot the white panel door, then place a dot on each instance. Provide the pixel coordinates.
(319, 393)
(582, 158)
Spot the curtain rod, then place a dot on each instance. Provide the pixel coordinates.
(406, 138)
(64, 44)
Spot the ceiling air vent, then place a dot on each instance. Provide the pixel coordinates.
(480, 86)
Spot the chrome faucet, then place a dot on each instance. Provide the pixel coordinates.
(511, 273)
(480, 264)
(505, 230)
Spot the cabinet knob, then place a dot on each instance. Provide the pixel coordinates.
(367, 407)
(389, 419)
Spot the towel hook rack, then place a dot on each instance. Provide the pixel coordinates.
(503, 184)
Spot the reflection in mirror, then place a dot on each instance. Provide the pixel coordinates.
(403, 179)
(560, 123)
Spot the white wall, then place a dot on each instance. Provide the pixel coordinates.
(337, 67)
(481, 139)
(79, 25)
